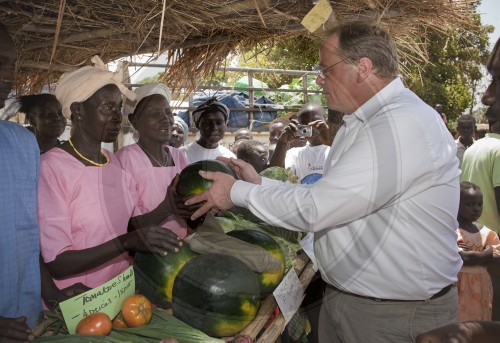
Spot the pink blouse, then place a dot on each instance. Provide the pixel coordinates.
(80, 207)
(152, 182)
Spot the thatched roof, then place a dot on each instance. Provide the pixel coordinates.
(53, 36)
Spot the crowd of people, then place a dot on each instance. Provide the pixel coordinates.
(403, 216)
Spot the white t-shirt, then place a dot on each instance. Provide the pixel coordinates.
(307, 160)
(195, 152)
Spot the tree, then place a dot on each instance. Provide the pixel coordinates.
(293, 53)
(454, 69)
(451, 76)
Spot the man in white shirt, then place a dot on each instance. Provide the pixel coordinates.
(384, 213)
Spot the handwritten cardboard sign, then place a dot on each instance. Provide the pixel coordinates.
(107, 298)
(317, 16)
(289, 295)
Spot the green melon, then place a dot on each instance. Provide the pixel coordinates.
(160, 271)
(217, 294)
(268, 280)
(191, 183)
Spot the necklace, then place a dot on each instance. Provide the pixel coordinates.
(167, 159)
(88, 159)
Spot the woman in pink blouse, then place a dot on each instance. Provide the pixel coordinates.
(152, 163)
(89, 213)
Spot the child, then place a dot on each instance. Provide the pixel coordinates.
(478, 247)
(253, 152)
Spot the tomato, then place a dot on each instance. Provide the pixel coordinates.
(97, 324)
(136, 310)
(118, 322)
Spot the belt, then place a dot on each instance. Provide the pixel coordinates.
(439, 294)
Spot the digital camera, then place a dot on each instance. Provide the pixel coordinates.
(304, 131)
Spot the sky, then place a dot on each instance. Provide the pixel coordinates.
(490, 15)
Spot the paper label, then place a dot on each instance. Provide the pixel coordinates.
(289, 295)
(317, 16)
(107, 298)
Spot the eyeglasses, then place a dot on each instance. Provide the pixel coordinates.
(322, 71)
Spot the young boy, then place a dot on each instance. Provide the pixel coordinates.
(254, 153)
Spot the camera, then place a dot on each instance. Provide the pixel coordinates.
(304, 131)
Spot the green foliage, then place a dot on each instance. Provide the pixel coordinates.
(293, 53)
(151, 79)
(453, 74)
(296, 99)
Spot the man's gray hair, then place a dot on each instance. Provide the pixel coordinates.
(361, 39)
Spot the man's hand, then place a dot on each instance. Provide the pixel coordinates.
(217, 197)
(245, 171)
(463, 332)
(15, 330)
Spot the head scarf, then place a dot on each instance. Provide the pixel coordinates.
(178, 120)
(209, 106)
(143, 92)
(81, 84)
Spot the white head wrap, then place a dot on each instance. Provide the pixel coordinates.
(178, 120)
(81, 84)
(145, 91)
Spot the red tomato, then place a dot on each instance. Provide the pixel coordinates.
(136, 310)
(97, 324)
(118, 322)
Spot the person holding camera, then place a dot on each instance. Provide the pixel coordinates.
(384, 212)
(309, 159)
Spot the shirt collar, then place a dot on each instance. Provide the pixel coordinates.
(379, 100)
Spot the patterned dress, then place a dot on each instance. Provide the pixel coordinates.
(475, 291)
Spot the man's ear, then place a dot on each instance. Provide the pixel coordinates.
(365, 68)
(76, 110)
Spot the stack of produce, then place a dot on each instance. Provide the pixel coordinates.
(211, 294)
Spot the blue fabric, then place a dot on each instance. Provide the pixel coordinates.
(19, 242)
(237, 100)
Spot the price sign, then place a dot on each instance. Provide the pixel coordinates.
(107, 298)
(289, 295)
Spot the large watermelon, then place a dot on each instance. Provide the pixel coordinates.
(270, 279)
(191, 183)
(160, 271)
(217, 294)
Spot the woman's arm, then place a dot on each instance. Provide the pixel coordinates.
(173, 204)
(153, 238)
(51, 294)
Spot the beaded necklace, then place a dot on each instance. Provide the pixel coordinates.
(88, 159)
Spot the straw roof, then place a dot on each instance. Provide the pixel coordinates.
(53, 36)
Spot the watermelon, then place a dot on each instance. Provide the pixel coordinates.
(217, 294)
(268, 280)
(160, 271)
(191, 183)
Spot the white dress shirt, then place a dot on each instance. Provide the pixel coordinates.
(384, 213)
